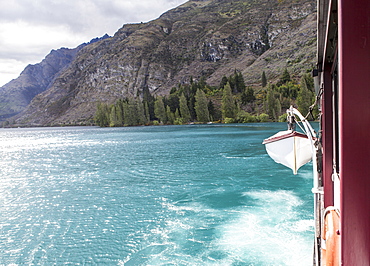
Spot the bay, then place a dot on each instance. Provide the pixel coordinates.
(165, 195)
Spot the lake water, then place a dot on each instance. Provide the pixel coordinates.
(165, 195)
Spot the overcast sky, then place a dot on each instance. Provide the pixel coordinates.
(30, 29)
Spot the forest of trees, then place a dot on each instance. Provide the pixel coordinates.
(196, 102)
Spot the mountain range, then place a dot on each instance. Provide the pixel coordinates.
(201, 39)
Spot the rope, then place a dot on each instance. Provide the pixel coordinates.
(302, 128)
(317, 99)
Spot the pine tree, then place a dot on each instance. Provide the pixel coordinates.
(146, 113)
(119, 105)
(264, 79)
(173, 102)
(115, 116)
(184, 109)
(272, 104)
(202, 83)
(170, 116)
(284, 78)
(211, 110)
(141, 119)
(311, 87)
(178, 119)
(309, 82)
(149, 100)
(102, 115)
(223, 82)
(305, 95)
(193, 115)
(239, 82)
(129, 108)
(228, 106)
(232, 83)
(201, 106)
(159, 110)
(248, 96)
(177, 114)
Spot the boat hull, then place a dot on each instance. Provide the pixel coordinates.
(289, 148)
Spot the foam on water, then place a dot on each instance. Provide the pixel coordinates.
(189, 195)
(267, 233)
(264, 235)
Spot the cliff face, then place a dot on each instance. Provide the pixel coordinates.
(206, 39)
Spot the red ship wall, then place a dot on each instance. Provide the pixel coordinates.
(344, 48)
(354, 129)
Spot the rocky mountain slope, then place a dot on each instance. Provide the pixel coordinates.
(198, 39)
(34, 79)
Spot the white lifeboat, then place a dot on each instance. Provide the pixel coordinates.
(290, 148)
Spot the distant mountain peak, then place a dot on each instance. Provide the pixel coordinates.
(36, 78)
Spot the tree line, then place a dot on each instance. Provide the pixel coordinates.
(230, 102)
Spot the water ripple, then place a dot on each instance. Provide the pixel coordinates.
(181, 195)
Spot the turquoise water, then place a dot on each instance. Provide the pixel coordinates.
(168, 195)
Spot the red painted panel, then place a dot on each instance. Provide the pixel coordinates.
(354, 85)
(327, 138)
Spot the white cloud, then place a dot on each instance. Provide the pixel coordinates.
(30, 29)
(10, 69)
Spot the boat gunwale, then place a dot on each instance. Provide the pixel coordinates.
(285, 136)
